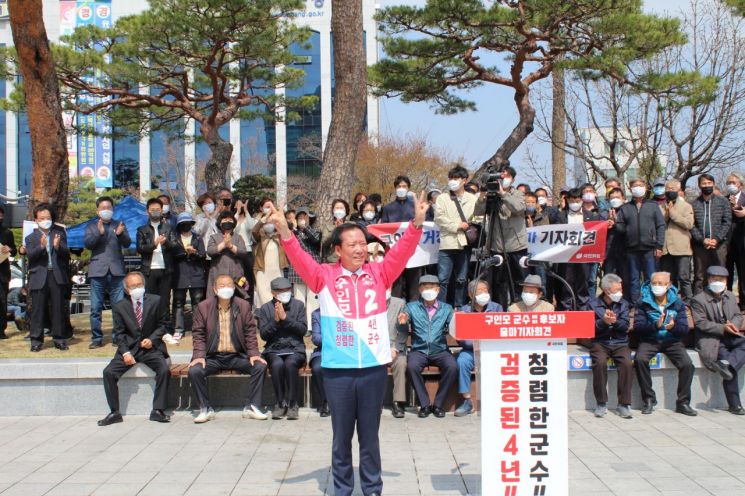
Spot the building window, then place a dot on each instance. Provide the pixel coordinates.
(126, 163)
(167, 164)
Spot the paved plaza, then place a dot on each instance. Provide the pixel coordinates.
(664, 453)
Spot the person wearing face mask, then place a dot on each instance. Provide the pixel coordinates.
(359, 199)
(660, 322)
(642, 225)
(169, 216)
(401, 209)
(677, 251)
(368, 214)
(224, 336)
(283, 324)
(590, 204)
(453, 212)
(432, 196)
(226, 250)
(509, 238)
(339, 213)
(710, 234)
(155, 244)
(224, 199)
(245, 226)
(48, 279)
(611, 341)
(615, 244)
(270, 260)
(531, 297)
(139, 327)
(736, 252)
(205, 225)
(189, 277)
(478, 291)
(310, 240)
(534, 214)
(658, 191)
(7, 247)
(105, 238)
(427, 321)
(719, 332)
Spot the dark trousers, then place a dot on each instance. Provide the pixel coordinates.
(639, 262)
(736, 261)
(355, 397)
(500, 288)
(677, 353)
(407, 284)
(577, 275)
(703, 259)
(679, 267)
(615, 263)
(621, 354)
(3, 306)
(227, 361)
(734, 353)
(179, 300)
(154, 359)
(416, 361)
(317, 378)
(158, 282)
(54, 295)
(285, 376)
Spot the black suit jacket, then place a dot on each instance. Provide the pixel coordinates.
(129, 334)
(146, 245)
(38, 259)
(6, 239)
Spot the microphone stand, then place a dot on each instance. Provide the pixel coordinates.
(549, 272)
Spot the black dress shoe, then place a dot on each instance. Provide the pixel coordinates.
(723, 368)
(737, 410)
(61, 346)
(94, 345)
(325, 410)
(159, 416)
(3, 335)
(438, 412)
(397, 411)
(36, 348)
(424, 411)
(648, 407)
(112, 418)
(686, 409)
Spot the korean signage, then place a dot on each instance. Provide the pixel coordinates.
(532, 325)
(568, 243)
(524, 444)
(92, 150)
(429, 244)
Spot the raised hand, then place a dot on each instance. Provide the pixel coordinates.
(277, 217)
(420, 209)
(100, 226)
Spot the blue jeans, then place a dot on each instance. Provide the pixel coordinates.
(18, 312)
(465, 367)
(99, 287)
(449, 263)
(639, 261)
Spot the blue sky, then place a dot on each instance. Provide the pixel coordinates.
(475, 136)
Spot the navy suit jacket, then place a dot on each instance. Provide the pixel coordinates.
(38, 259)
(106, 249)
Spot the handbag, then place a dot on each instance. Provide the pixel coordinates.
(473, 233)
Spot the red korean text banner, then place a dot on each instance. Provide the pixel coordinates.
(530, 325)
(568, 243)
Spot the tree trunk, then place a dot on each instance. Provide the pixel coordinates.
(558, 132)
(524, 127)
(348, 119)
(216, 170)
(51, 174)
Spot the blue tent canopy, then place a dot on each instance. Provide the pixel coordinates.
(129, 210)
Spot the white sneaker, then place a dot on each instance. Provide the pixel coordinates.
(205, 415)
(168, 339)
(254, 412)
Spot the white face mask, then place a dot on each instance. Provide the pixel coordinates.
(506, 182)
(574, 207)
(542, 201)
(529, 298)
(717, 286)
(285, 297)
(588, 197)
(137, 293)
(368, 215)
(340, 214)
(302, 223)
(106, 215)
(166, 209)
(225, 293)
(429, 294)
(616, 202)
(208, 208)
(401, 192)
(615, 297)
(732, 189)
(266, 211)
(638, 191)
(453, 184)
(269, 228)
(482, 299)
(45, 224)
(659, 290)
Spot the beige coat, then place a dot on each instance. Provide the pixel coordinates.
(512, 214)
(448, 220)
(678, 224)
(540, 306)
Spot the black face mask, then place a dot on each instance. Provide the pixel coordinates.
(707, 190)
(671, 195)
(227, 226)
(184, 228)
(227, 202)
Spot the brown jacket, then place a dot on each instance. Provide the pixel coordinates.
(678, 225)
(261, 239)
(206, 328)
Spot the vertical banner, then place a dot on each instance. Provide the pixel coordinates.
(104, 159)
(524, 429)
(68, 21)
(86, 123)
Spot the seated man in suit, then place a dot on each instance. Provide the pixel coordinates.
(139, 326)
(719, 324)
(224, 337)
(429, 323)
